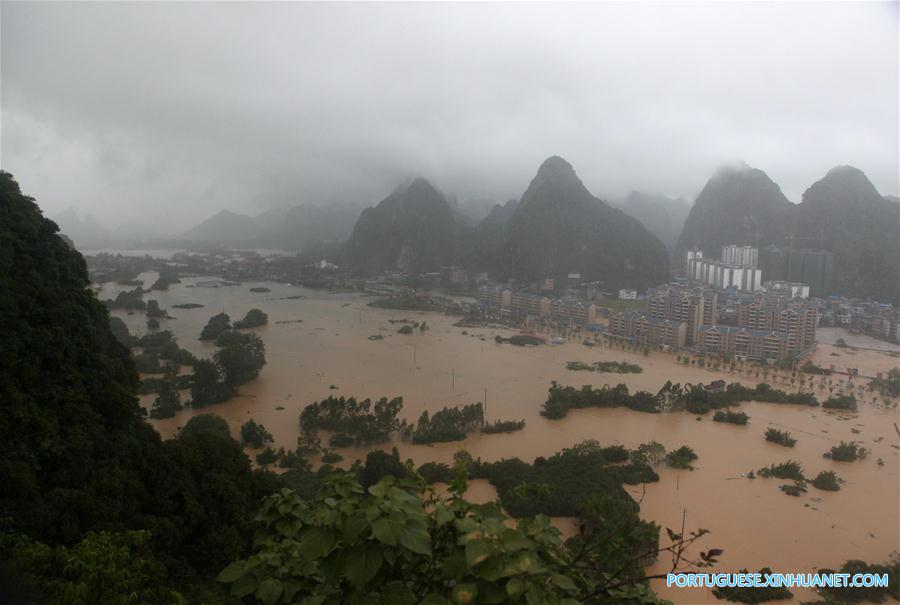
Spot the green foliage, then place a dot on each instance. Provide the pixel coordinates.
(267, 456)
(841, 402)
(503, 426)
(389, 544)
(148, 363)
(128, 300)
(208, 387)
(785, 470)
(561, 399)
(241, 359)
(865, 595)
(618, 367)
(77, 456)
(165, 279)
(846, 452)
(215, 326)
(105, 567)
(255, 435)
(681, 458)
(889, 386)
(811, 368)
(405, 330)
(331, 457)
(649, 454)
(152, 324)
(204, 492)
(828, 481)
(435, 472)
(364, 423)
(448, 424)
(615, 536)
(731, 417)
(739, 594)
(340, 440)
(72, 436)
(168, 402)
(780, 437)
(379, 464)
(120, 331)
(229, 338)
(154, 311)
(252, 319)
(155, 385)
(694, 398)
(794, 489)
(520, 340)
(556, 486)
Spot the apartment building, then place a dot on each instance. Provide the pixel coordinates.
(693, 306)
(646, 330)
(744, 343)
(736, 269)
(796, 321)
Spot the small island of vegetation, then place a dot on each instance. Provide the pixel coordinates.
(617, 367)
(780, 437)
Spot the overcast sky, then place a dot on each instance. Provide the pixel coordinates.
(173, 111)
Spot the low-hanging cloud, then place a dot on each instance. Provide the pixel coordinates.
(169, 112)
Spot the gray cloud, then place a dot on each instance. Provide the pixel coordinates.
(176, 110)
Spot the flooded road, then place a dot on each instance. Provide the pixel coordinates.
(752, 520)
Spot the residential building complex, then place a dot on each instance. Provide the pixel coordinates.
(518, 305)
(645, 330)
(694, 306)
(736, 269)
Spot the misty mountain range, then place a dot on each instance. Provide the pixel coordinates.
(558, 228)
(841, 213)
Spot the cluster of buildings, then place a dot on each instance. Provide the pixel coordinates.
(736, 268)
(766, 326)
(673, 317)
(878, 320)
(506, 304)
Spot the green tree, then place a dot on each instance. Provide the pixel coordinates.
(252, 319)
(105, 567)
(215, 326)
(241, 361)
(207, 386)
(391, 545)
(168, 402)
(254, 434)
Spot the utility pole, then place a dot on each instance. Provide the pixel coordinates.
(453, 380)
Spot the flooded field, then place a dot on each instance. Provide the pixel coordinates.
(752, 520)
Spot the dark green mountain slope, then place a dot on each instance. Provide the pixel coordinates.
(413, 229)
(489, 237)
(76, 455)
(860, 227)
(739, 205)
(559, 228)
(69, 419)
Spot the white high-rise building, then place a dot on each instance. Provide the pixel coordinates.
(737, 269)
(740, 256)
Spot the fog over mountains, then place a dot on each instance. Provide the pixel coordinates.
(104, 111)
(842, 213)
(558, 227)
(297, 228)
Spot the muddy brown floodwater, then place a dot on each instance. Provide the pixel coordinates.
(751, 520)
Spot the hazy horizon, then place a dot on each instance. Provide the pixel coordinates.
(136, 112)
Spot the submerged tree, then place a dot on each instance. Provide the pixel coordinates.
(215, 326)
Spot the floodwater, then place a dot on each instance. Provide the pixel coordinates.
(751, 520)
